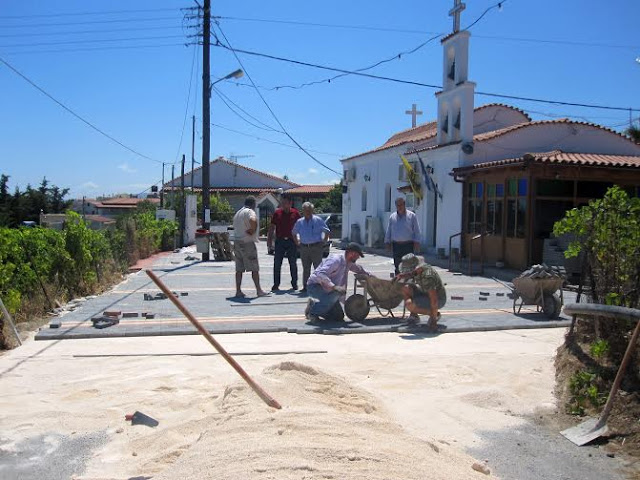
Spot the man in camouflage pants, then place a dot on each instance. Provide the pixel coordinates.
(423, 290)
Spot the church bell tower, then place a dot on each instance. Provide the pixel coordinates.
(455, 101)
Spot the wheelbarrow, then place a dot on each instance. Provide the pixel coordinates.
(384, 295)
(540, 292)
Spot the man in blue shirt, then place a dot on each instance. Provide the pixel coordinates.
(310, 234)
(403, 233)
(327, 284)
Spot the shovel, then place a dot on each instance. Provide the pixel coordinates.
(593, 428)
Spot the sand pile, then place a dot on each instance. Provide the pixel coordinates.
(326, 429)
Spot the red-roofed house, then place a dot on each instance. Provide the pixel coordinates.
(234, 182)
(489, 179)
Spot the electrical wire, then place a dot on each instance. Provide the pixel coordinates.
(397, 56)
(87, 122)
(75, 14)
(186, 108)
(420, 84)
(94, 49)
(226, 100)
(420, 32)
(90, 22)
(271, 110)
(80, 42)
(84, 32)
(273, 141)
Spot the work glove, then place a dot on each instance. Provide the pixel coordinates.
(340, 289)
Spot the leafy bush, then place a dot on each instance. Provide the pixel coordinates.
(599, 349)
(584, 392)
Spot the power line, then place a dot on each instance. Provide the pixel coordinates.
(271, 111)
(186, 108)
(94, 49)
(87, 122)
(273, 141)
(80, 42)
(226, 99)
(420, 84)
(397, 56)
(92, 32)
(75, 14)
(90, 22)
(423, 32)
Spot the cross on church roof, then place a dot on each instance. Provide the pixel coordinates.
(414, 113)
(455, 12)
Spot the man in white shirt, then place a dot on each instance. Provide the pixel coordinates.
(245, 228)
(403, 233)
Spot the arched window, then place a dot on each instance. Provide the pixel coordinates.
(364, 199)
(387, 198)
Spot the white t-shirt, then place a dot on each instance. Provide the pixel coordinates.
(241, 224)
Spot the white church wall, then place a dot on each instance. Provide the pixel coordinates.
(374, 172)
(449, 208)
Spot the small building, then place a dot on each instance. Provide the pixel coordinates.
(110, 207)
(234, 182)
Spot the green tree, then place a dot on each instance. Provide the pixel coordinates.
(332, 202)
(607, 233)
(633, 132)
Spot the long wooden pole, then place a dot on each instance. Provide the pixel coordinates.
(245, 376)
(10, 320)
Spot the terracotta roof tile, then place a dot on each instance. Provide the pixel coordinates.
(229, 162)
(426, 131)
(309, 189)
(127, 201)
(483, 137)
(561, 158)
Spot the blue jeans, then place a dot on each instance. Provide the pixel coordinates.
(285, 248)
(325, 304)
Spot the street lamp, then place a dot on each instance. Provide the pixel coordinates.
(235, 74)
(206, 132)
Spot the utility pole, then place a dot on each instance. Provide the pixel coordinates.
(193, 146)
(183, 208)
(206, 125)
(162, 188)
(173, 188)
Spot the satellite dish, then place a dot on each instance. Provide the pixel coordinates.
(467, 148)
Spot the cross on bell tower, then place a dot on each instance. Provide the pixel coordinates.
(455, 12)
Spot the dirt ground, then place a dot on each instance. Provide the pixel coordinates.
(434, 402)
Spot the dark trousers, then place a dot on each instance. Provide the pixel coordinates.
(399, 251)
(285, 248)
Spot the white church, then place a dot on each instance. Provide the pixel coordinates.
(487, 180)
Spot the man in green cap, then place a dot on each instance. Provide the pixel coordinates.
(423, 290)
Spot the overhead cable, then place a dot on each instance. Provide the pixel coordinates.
(271, 110)
(420, 84)
(273, 141)
(87, 122)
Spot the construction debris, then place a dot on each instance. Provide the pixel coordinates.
(544, 271)
(481, 467)
(162, 296)
(139, 418)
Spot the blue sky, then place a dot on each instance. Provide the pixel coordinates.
(575, 51)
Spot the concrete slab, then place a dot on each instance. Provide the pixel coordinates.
(210, 286)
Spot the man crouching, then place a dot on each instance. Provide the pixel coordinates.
(423, 290)
(327, 285)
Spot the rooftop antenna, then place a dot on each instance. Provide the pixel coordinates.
(234, 158)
